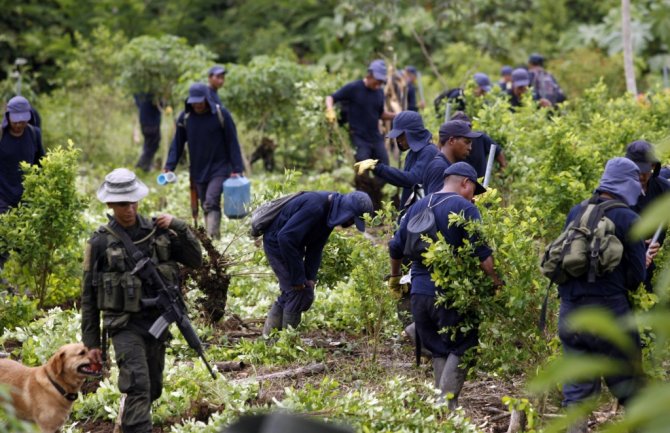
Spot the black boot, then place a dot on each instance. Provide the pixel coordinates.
(273, 321)
(438, 368)
(291, 319)
(452, 380)
(213, 224)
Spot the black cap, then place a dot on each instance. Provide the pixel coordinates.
(457, 128)
(641, 152)
(536, 59)
(466, 170)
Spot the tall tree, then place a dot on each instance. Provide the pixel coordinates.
(627, 47)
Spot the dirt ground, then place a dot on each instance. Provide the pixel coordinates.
(481, 396)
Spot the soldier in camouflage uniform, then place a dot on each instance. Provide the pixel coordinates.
(110, 288)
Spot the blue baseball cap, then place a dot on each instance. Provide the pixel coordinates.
(411, 69)
(506, 70)
(483, 81)
(466, 170)
(536, 59)
(378, 70)
(457, 128)
(18, 109)
(641, 152)
(520, 77)
(197, 93)
(217, 70)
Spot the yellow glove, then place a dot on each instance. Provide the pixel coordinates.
(331, 117)
(395, 287)
(367, 164)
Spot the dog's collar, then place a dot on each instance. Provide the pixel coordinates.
(68, 395)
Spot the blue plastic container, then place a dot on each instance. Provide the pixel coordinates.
(236, 196)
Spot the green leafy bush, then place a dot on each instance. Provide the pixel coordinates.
(43, 232)
(158, 64)
(41, 338)
(400, 406)
(16, 310)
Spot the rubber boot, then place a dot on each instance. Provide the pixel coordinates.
(273, 321)
(438, 368)
(213, 223)
(452, 379)
(410, 331)
(291, 319)
(581, 426)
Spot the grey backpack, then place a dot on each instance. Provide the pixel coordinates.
(421, 224)
(262, 216)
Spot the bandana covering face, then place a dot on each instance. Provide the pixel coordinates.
(344, 208)
(622, 179)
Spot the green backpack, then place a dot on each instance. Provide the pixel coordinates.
(587, 246)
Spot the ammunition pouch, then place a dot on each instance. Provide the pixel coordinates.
(119, 292)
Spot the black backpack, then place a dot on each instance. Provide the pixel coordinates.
(421, 224)
(262, 216)
(546, 87)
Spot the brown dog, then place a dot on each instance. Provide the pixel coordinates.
(45, 394)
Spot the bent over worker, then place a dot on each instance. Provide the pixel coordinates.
(294, 243)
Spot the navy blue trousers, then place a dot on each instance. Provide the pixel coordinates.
(430, 319)
(622, 386)
(290, 299)
(366, 149)
(210, 192)
(152, 140)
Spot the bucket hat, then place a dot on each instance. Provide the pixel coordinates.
(122, 185)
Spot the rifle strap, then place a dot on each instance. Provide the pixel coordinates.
(134, 253)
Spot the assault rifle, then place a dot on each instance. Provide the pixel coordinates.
(169, 299)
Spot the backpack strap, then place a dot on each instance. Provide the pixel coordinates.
(219, 114)
(431, 206)
(592, 225)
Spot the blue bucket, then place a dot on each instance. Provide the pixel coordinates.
(236, 196)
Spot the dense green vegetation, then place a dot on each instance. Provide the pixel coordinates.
(85, 59)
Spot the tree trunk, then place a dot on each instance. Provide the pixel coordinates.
(627, 42)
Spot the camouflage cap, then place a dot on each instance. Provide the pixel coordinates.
(122, 185)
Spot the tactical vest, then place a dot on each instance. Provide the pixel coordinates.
(118, 290)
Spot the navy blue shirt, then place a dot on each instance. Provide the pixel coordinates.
(455, 98)
(214, 95)
(411, 97)
(443, 205)
(298, 235)
(433, 176)
(656, 187)
(213, 149)
(365, 108)
(479, 154)
(412, 174)
(626, 276)
(14, 150)
(150, 115)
